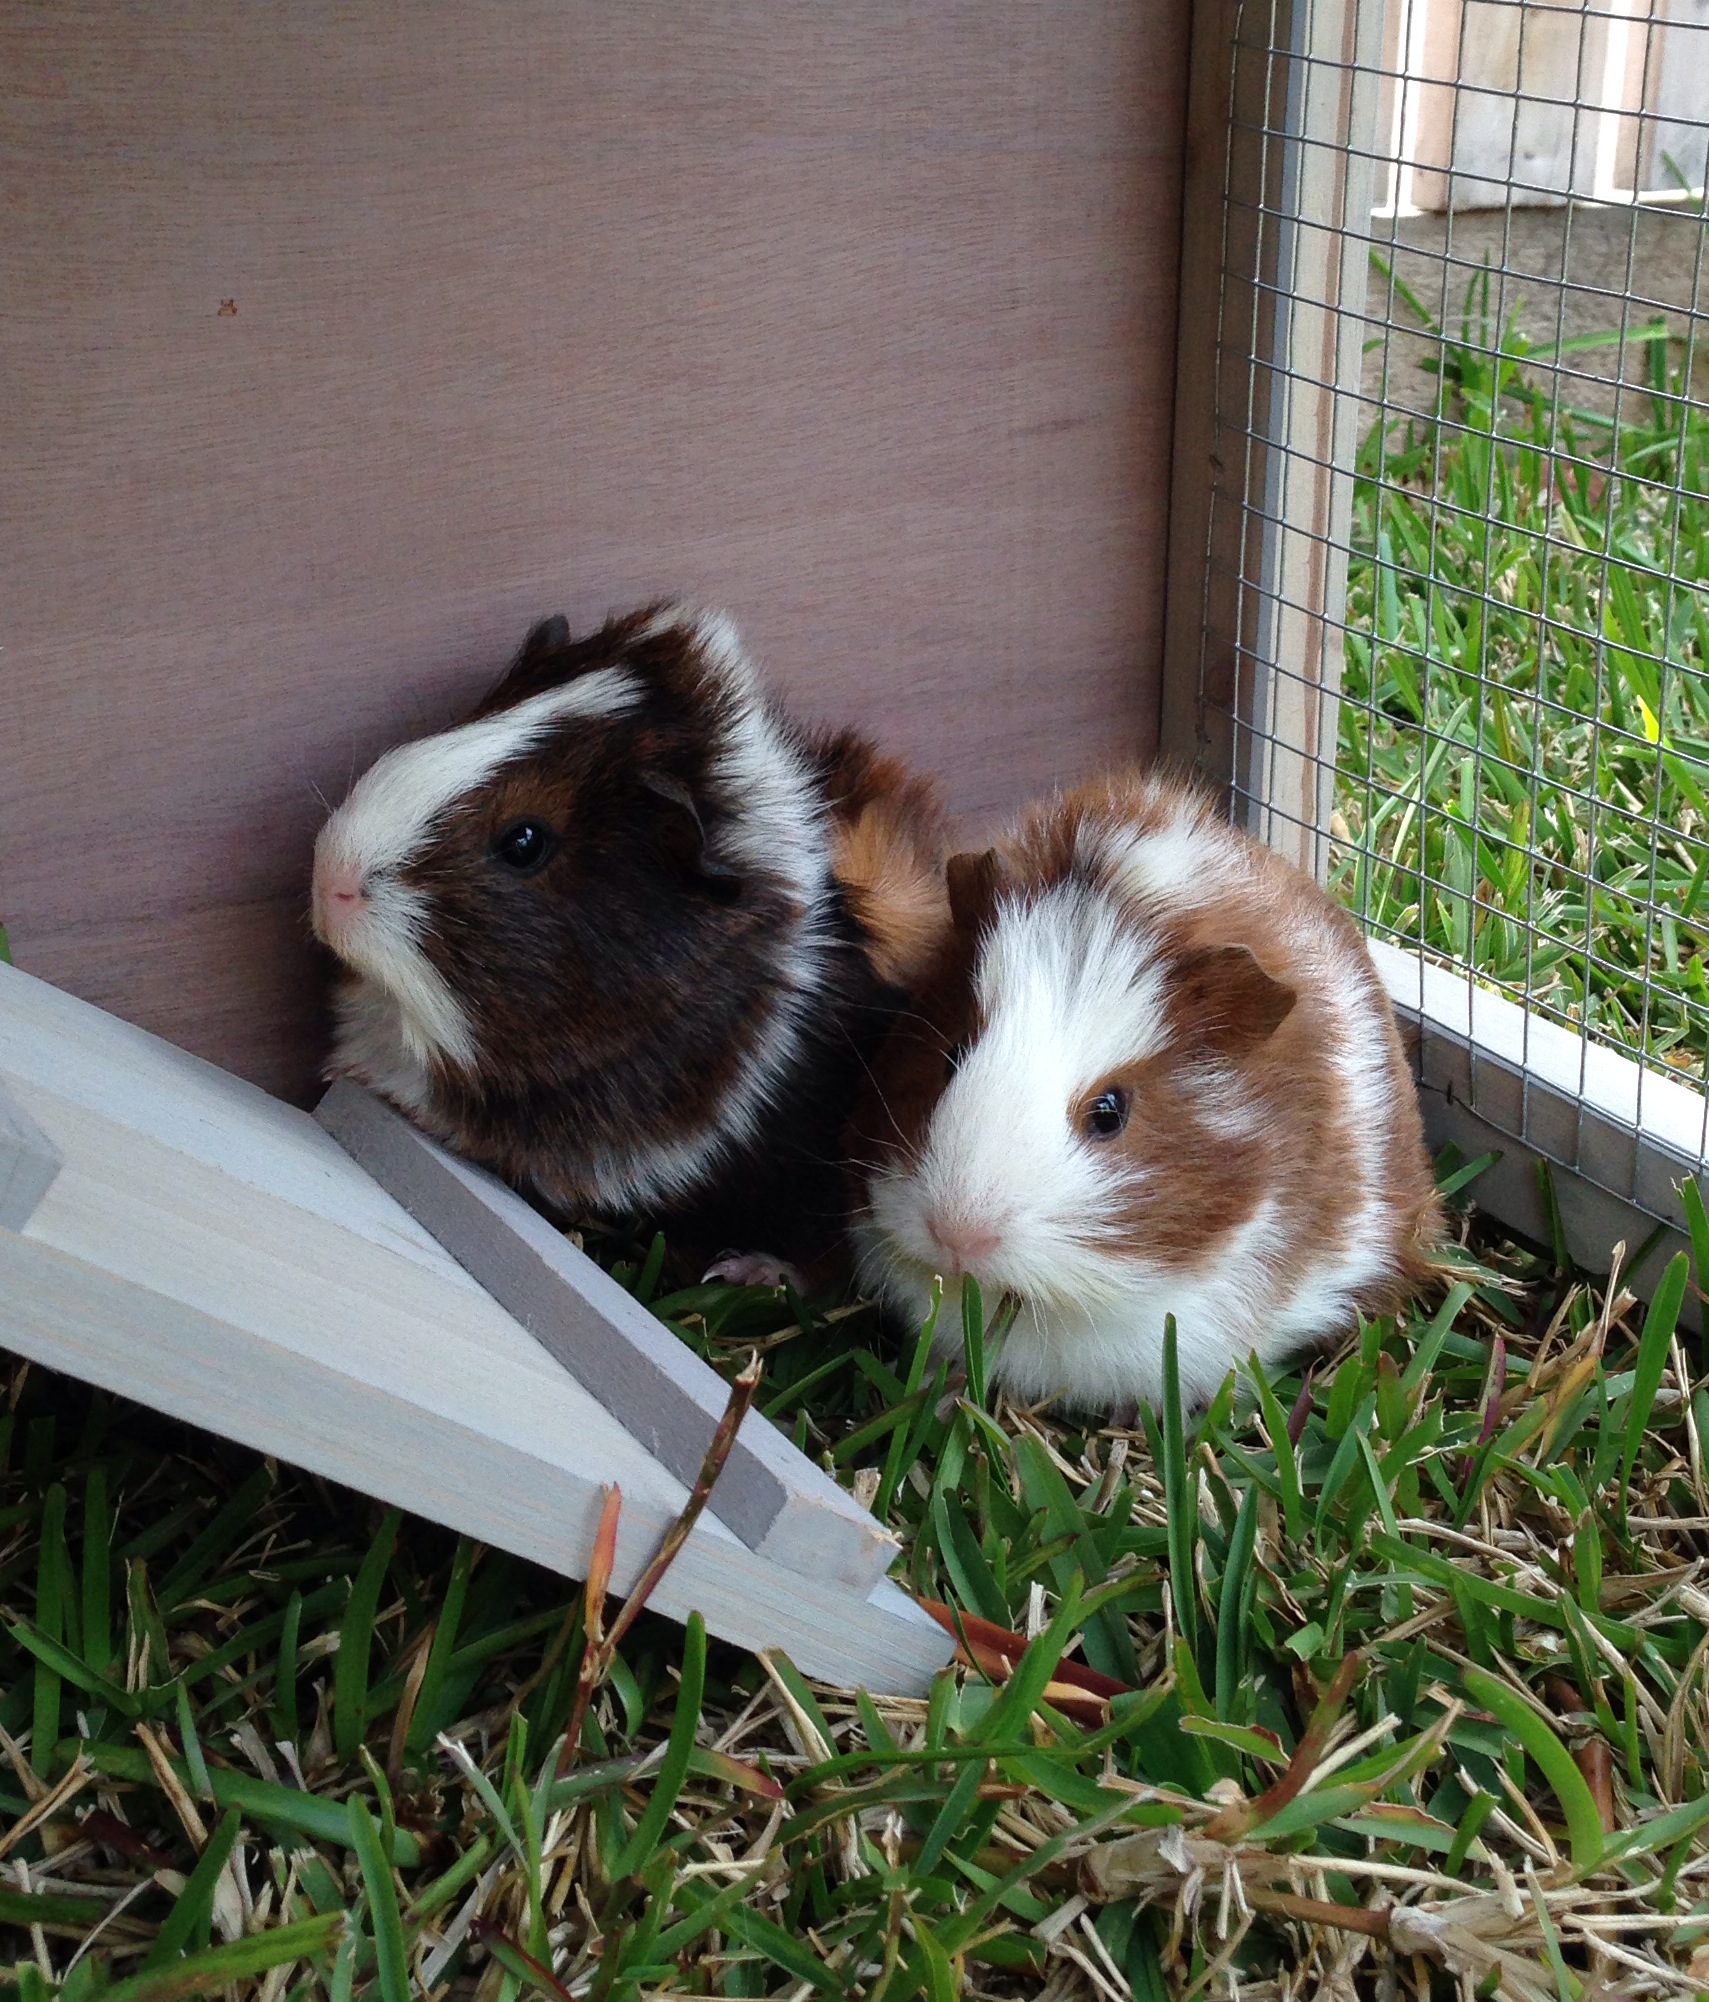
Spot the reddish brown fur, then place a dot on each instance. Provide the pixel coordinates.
(887, 852)
(1239, 999)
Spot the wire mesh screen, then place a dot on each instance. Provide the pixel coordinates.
(1455, 651)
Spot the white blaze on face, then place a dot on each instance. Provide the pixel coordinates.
(1066, 995)
(374, 921)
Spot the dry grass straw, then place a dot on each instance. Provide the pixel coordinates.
(1413, 1656)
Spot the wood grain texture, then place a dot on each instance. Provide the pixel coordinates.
(216, 1255)
(28, 1163)
(660, 1391)
(341, 342)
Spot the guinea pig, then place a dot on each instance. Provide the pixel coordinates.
(1153, 1071)
(628, 936)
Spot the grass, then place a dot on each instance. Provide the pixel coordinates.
(1390, 1678)
(1387, 1678)
(1524, 737)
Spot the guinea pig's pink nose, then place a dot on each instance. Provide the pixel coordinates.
(964, 1240)
(339, 892)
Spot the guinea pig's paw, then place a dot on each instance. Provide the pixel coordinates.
(753, 1268)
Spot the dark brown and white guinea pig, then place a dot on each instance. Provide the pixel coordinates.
(628, 936)
(1154, 1072)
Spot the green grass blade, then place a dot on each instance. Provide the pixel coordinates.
(200, 1785)
(97, 1574)
(286, 1807)
(638, 1850)
(957, 1803)
(781, 1949)
(1518, 1715)
(1232, 1626)
(187, 1923)
(899, 1457)
(942, 1983)
(383, 1912)
(1182, 1507)
(54, 1658)
(285, 1722)
(203, 1973)
(1287, 1461)
(1021, 1694)
(1478, 1810)
(229, 1526)
(1696, 1216)
(1653, 1346)
(427, 1719)
(973, 1335)
(356, 1639)
(1431, 1341)
(53, 1588)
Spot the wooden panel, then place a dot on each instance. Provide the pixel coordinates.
(658, 1389)
(215, 1255)
(1523, 105)
(1286, 110)
(1335, 95)
(28, 1164)
(342, 341)
(1676, 145)
(1232, 194)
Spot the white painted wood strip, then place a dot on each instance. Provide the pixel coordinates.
(1495, 1077)
(28, 1164)
(1591, 1077)
(138, 1081)
(219, 1257)
(772, 1496)
(469, 1460)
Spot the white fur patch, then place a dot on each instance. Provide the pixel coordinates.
(1066, 995)
(778, 828)
(390, 817)
(369, 1045)
(393, 809)
(383, 946)
(1177, 865)
(1105, 1347)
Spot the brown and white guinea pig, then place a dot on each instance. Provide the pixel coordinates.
(628, 936)
(1153, 1072)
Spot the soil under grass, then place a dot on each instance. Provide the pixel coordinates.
(1413, 1654)
(1524, 755)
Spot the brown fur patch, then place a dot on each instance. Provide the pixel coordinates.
(887, 854)
(1260, 972)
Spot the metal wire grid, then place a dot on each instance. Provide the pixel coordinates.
(1534, 815)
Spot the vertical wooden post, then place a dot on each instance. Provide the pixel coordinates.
(1333, 103)
(1275, 254)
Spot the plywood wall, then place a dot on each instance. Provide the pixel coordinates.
(342, 341)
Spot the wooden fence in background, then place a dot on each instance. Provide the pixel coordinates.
(1533, 103)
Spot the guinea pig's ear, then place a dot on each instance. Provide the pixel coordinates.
(540, 664)
(1223, 1000)
(682, 838)
(972, 881)
(547, 637)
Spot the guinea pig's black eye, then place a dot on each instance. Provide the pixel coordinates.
(524, 846)
(1107, 1114)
